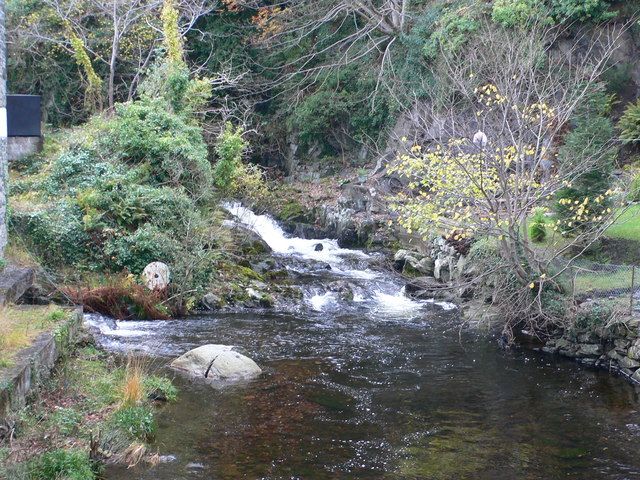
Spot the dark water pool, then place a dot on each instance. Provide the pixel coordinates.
(375, 397)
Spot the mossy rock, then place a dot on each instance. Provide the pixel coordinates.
(293, 211)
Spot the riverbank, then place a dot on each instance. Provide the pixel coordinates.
(96, 408)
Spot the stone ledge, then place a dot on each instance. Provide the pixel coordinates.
(14, 281)
(34, 364)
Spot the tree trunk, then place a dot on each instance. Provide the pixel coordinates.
(115, 47)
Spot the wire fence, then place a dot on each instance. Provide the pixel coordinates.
(599, 280)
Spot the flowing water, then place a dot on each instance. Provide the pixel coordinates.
(374, 385)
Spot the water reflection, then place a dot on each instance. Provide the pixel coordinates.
(387, 400)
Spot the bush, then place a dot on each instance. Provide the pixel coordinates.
(629, 123)
(62, 464)
(134, 188)
(147, 132)
(138, 422)
(537, 228)
(67, 420)
(582, 10)
(122, 299)
(516, 13)
(554, 303)
(453, 30)
(134, 251)
(485, 250)
(340, 102)
(75, 170)
(230, 147)
(590, 139)
(634, 189)
(56, 234)
(592, 315)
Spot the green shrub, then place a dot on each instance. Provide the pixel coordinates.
(147, 132)
(56, 316)
(230, 147)
(629, 123)
(554, 303)
(340, 102)
(134, 251)
(138, 422)
(634, 189)
(453, 30)
(618, 77)
(67, 420)
(516, 13)
(61, 465)
(537, 228)
(589, 141)
(593, 315)
(75, 170)
(56, 234)
(484, 250)
(582, 10)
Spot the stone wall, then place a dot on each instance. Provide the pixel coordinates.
(34, 364)
(613, 345)
(19, 147)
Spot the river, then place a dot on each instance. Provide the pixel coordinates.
(374, 385)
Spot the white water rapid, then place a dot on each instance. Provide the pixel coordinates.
(383, 295)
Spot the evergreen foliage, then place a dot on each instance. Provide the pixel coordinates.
(537, 227)
(592, 137)
(629, 123)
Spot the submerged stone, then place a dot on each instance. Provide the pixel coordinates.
(217, 362)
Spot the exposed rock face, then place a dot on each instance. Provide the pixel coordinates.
(429, 287)
(249, 240)
(212, 301)
(217, 362)
(356, 220)
(413, 263)
(14, 282)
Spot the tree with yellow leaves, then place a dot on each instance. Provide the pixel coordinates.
(519, 92)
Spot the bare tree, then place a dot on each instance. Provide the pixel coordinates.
(136, 21)
(350, 30)
(488, 156)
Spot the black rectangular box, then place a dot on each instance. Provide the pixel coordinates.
(23, 115)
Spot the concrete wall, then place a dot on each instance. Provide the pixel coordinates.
(19, 147)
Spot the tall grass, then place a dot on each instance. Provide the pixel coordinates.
(132, 390)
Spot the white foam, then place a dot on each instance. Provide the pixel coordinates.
(320, 301)
(276, 238)
(106, 326)
(444, 305)
(396, 304)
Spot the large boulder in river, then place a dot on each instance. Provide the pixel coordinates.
(217, 362)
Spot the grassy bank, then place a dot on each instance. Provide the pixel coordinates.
(94, 410)
(22, 324)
